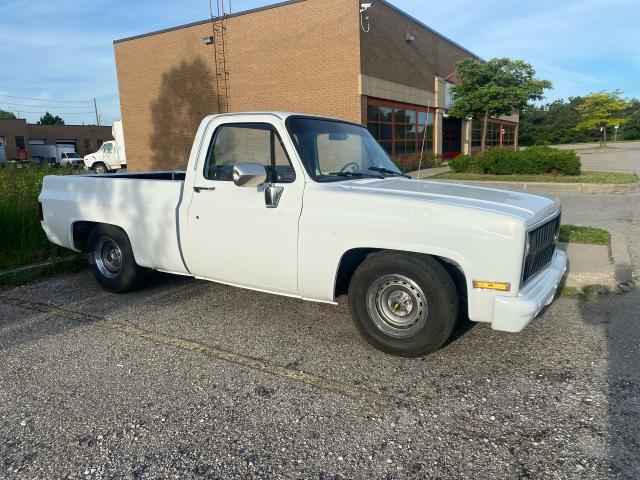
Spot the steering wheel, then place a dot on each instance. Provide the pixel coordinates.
(354, 166)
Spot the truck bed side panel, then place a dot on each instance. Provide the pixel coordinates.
(145, 209)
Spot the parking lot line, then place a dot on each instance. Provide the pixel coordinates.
(212, 352)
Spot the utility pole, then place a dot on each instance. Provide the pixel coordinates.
(95, 107)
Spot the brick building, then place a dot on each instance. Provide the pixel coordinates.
(381, 68)
(16, 135)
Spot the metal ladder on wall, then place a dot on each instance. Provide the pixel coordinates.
(219, 27)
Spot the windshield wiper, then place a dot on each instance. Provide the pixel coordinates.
(386, 171)
(354, 174)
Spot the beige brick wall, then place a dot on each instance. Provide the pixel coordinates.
(303, 57)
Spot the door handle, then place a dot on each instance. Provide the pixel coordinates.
(272, 196)
(199, 189)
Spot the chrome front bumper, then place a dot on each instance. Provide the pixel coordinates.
(512, 314)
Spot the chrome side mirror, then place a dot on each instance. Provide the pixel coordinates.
(249, 174)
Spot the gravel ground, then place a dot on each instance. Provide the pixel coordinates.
(187, 379)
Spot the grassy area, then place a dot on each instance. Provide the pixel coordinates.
(577, 234)
(585, 177)
(22, 240)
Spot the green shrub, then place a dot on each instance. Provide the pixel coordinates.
(532, 161)
(499, 161)
(461, 163)
(431, 160)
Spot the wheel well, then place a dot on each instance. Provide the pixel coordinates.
(349, 262)
(80, 234)
(352, 259)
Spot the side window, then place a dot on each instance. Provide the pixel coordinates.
(250, 142)
(108, 147)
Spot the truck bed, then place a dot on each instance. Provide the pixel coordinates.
(144, 205)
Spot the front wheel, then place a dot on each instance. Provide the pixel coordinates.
(100, 168)
(111, 259)
(402, 303)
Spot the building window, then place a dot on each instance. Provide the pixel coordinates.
(401, 129)
(508, 134)
(87, 146)
(476, 132)
(21, 149)
(493, 134)
(500, 133)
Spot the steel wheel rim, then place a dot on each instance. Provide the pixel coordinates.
(397, 305)
(108, 257)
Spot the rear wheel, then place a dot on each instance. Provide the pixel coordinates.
(403, 303)
(111, 259)
(100, 168)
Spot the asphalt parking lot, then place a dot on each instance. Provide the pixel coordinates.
(198, 380)
(188, 379)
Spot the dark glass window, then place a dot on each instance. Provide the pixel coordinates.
(402, 130)
(331, 150)
(499, 133)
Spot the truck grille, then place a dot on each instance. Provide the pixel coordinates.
(542, 244)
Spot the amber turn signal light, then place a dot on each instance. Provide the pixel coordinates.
(499, 286)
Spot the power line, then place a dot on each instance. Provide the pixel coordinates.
(45, 99)
(54, 113)
(42, 106)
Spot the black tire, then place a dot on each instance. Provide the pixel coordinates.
(111, 260)
(100, 168)
(402, 303)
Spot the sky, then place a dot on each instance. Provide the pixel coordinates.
(59, 54)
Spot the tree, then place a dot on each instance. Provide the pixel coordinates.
(600, 111)
(494, 88)
(5, 114)
(553, 123)
(48, 119)
(631, 127)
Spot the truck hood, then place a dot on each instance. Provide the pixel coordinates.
(528, 207)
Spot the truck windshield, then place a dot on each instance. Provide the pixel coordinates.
(332, 150)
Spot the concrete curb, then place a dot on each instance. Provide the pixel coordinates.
(619, 272)
(555, 187)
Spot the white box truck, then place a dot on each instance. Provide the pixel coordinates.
(111, 156)
(55, 155)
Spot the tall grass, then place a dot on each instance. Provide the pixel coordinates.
(22, 240)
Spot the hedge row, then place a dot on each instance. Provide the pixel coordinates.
(533, 160)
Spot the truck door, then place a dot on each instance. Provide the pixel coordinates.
(232, 235)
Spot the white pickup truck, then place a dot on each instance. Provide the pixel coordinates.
(313, 208)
